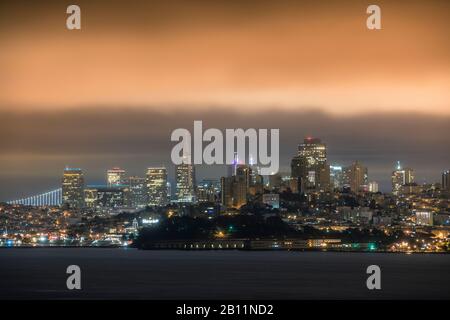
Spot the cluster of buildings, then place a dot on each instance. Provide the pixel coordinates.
(54, 226)
(315, 194)
(311, 172)
(311, 175)
(122, 191)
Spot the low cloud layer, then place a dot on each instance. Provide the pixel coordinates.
(35, 146)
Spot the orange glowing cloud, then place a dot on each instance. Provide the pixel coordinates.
(291, 55)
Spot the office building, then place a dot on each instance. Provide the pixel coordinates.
(400, 177)
(446, 180)
(73, 188)
(208, 190)
(115, 177)
(356, 177)
(310, 166)
(336, 177)
(137, 192)
(226, 191)
(373, 187)
(185, 179)
(98, 197)
(235, 189)
(169, 192)
(256, 183)
(156, 185)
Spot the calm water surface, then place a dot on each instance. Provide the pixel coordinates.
(134, 274)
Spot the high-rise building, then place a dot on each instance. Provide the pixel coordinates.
(115, 177)
(137, 193)
(446, 180)
(90, 197)
(156, 185)
(226, 191)
(73, 188)
(310, 166)
(356, 177)
(373, 186)
(256, 184)
(336, 177)
(400, 177)
(106, 197)
(241, 185)
(208, 190)
(235, 189)
(185, 177)
(169, 192)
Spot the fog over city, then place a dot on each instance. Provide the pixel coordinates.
(39, 145)
(111, 93)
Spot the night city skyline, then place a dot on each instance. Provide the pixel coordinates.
(376, 97)
(377, 141)
(217, 158)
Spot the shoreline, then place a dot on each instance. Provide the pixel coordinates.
(243, 250)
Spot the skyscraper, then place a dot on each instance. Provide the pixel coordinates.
(169, 192)
(137, 192)
(73, 188)
(336, 177)
(156, 185)
(356, 177)
(185, 177)
(256, 184)
(373, 186)
(91, 197)
(226, 191)
(310, 166)
(115, 177)
(236, 190)
(446, 180)
(241, 185)
(208, 190)
(401, 177)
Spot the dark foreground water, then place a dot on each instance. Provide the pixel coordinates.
(132, 274)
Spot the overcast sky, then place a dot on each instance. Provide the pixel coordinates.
(111, 93)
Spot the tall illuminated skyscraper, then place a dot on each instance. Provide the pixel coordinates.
(310, 166)
(156, 185)
(169, 192)
(115, 177)
(373, 187)
(336, 177)
(400, 177)
(185, 178)
(446, 180)
(137, 192)
(73, 187)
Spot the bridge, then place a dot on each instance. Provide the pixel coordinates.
(50, 198)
